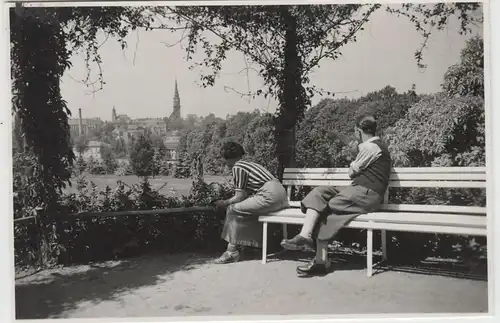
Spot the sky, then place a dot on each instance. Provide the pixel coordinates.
(139, 81)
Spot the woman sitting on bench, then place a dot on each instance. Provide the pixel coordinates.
(257, 192)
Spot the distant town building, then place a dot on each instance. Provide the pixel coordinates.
(127, 128)
(173, 138)
(82, 126)
(119, 118)
(113, 115)
(172, 145)
(156, 126)
(176, 113)
(93, 150)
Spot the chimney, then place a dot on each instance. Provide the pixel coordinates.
(80, 123)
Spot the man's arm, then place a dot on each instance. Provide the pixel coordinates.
(368, 153)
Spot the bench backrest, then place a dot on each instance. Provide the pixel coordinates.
(431, 177)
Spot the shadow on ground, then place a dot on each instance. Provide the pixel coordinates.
(53, 293)
(50, 293)
(344, 261)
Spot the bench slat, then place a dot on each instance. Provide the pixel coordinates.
(477, 210)
(393, 176)
(427, 218)
(419, 228)
(408, 218)
(408, 227)
(423, 208)
(431, 184)
(408, 170)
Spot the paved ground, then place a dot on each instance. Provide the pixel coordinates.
(185, 285)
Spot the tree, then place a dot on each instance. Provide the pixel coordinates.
(322, 131)
(17, 135)
(447, 129)
(43, 40)
(440, 131)
(236, 125)
(141, 156)
(81, 145)
(119, 147)
(287, 43)
(108, 158)
(467, 77)
(183, 167)
(160, 165)
(175, 124)
(444, 129)
(259, 141)
(107, 128)
(387, 105)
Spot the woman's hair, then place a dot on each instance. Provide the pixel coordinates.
(231, 150)
(367, 124)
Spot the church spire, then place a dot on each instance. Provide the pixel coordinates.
(176, 113)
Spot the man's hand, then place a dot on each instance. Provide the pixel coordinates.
(353, 147)
(220, 204)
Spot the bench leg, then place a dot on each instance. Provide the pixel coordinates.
(322, 252)
(285, 231)
(369, 254)
(264, 243)
(384, 244)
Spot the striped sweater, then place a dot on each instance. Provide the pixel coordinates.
(250, 176)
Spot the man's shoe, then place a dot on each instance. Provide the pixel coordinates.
(298, 243)
(313, 269)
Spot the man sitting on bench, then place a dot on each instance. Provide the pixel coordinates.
(328, 210)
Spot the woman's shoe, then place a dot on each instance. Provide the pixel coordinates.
(228, 257)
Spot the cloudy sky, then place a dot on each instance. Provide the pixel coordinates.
(140, 80)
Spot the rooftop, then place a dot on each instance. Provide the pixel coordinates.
(85, 121)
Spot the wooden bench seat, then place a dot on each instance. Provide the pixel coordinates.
(444, 219)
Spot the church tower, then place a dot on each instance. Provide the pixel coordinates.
(176, 113)
(113, 114)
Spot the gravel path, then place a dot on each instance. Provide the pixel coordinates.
(185, 285)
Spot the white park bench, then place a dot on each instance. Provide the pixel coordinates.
(445, 219)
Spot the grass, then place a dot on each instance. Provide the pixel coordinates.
(166, 185)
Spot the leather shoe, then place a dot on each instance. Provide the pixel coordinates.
(313, 269)
(298, 243)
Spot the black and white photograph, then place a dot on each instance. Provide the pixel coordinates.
(218, 160)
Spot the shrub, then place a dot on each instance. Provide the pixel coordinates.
(83, 239)
(123, 169)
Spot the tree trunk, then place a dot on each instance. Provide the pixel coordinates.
(39, 58)
(290, 99)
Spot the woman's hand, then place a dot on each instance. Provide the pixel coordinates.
(220, 204)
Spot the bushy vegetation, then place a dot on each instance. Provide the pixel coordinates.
(83, 239)
(443, 129)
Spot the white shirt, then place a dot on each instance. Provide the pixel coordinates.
(368, 153)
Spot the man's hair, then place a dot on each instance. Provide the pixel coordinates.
(232, 149)
(367, 124)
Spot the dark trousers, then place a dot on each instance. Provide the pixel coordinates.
(338, 207)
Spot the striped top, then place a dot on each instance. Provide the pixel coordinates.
(250, 176)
